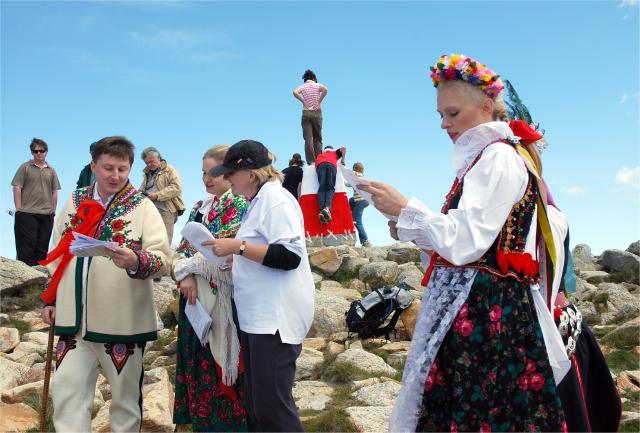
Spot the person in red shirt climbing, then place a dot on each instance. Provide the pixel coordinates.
(326, 168)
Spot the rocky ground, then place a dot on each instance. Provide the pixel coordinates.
(342, 384)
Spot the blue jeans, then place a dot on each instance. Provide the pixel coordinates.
(357, 207)
(326, 184)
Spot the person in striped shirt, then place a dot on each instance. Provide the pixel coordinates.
(311, 94)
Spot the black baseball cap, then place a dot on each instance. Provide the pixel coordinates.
(243, 155)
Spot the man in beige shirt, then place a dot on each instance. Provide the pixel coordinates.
(162, 184)
(35, 195)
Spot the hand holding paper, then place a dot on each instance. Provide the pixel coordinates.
(195, 233)
(199, 319)
(86, 246)
(386, 199)
(223, 247)
(382, 196)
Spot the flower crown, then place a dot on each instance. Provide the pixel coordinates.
(461, 67)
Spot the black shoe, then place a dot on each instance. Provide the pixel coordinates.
(327, 214)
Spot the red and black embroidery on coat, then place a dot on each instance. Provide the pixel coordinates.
(120, 353)
(65, 344)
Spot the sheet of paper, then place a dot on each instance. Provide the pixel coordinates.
(195, 233)
(199, 319)
(353, 180)
(86, 246)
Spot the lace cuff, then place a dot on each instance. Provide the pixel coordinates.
(198, 264)
(413, 223)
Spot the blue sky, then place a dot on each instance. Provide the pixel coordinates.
(183, 76)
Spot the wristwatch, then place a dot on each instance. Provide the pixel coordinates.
(243, 245)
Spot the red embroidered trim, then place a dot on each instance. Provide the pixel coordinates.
(523, 279)
(427, 274)
(584, 401)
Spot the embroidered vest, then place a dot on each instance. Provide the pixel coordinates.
(506, 256)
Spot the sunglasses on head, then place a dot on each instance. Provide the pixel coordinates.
(39, 151)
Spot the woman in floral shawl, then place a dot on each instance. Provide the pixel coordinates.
(209, 393)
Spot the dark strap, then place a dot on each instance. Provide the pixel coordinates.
(391, 326)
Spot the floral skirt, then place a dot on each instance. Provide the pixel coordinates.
(200, 398)
(492, 372)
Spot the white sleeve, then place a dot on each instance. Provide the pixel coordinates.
(491, 188)
(282, 226)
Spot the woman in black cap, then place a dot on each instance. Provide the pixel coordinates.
(273, 287)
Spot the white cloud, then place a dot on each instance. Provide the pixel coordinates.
(193, 46)
(629, 176)
(628, 97)
(627, 3)
(575, 190)
(176, 39)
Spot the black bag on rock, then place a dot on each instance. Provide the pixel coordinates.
(368, 316)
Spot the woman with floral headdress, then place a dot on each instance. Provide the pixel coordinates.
(485, 355)
(209, 391)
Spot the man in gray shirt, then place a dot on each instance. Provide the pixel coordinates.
(35, 195)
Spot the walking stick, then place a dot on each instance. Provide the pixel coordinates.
(47, 377)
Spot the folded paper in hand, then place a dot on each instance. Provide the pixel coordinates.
(199, 319)
(195, 233)
(86, 246)
(353, 180)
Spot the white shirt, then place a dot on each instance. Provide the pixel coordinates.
(491, 187)
(270, 300)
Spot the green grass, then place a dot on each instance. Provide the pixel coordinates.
(344, 277)
(333, 418)
(169, 319)
(626, 275)
(26, 299)
(161, 342)
(623, 338)
(35, 404)
(398, 376)
(621, 360)
(342, 373)
(20, 325)
(601, 298)
(381, 353)
(329, 421)
(630, 426)
(597, 280)
(633, 403)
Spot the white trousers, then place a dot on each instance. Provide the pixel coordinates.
(78, 363)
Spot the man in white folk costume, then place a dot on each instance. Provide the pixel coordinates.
(102, 306)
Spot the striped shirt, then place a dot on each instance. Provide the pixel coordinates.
(311, 92)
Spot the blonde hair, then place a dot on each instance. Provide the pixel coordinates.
(500, 111)
(217, 152)
(359, 167)
(535, 155)
(265, 174)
